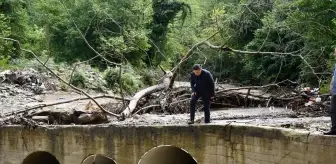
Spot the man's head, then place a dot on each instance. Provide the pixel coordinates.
(197, 69)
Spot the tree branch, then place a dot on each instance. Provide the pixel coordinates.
(62, 102)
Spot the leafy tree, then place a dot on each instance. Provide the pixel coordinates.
(164, 12)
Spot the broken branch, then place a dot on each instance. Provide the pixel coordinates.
(62, 102)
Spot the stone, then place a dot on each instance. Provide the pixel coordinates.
(38, 98)
(4, 95)
(41, 118)
(56, 115)
(92, 118)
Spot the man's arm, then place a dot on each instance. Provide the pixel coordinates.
(192, 83)
(212, 85)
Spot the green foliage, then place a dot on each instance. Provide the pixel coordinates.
(112, 77)
(4, 63)
(144, 34)
(113, 28)
(64, 87)
(149, 77)
(325, 87)
(78, 80)
(164, 12)
(131, 80)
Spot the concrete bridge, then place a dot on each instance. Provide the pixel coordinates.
(202, 144)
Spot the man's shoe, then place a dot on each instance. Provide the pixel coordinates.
(190, 122)
(330, 133)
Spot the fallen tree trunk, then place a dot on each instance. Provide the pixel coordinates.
(147, 91)
(150, 90)
(135, 99)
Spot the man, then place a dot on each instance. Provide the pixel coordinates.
(333, 103)
(202, 85)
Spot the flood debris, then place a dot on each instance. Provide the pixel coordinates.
(30, 79)
(154, 100)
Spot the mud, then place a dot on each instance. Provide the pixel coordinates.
(14, 97)
(275, 117)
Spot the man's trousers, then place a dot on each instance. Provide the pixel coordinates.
(206, 103)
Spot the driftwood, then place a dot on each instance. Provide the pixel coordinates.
(177, 101)
(147, 91)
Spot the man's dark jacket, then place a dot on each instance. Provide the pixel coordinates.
(203, 84)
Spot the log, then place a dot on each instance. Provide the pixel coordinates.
(150, 90)
(135, 99)
(147, 91)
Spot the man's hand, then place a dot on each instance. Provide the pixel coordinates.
(193, 94)
(212, 99)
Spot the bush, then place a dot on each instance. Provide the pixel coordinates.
(148, 77)
(78, 80)
(64, 87)
(111, 77)
(131, 80)
(325, 87)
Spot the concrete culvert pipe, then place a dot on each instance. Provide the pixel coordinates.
(98, 159)
(167, 154)
(40, 157)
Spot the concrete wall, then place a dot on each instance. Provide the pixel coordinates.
(208, 144)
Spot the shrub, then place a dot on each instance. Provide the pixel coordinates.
(148, 77)
(78, 80)
(131, 81)
(64, 87)
(111, 77)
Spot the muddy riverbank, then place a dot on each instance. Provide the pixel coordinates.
(16, 97)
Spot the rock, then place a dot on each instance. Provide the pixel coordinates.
(29, 94)
(94, 118)
(84, 118)
(41, 118)
(38, 90)
(4, 95)
(136, 116)
(59, 116)
(38, 98)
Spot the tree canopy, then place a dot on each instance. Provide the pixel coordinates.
(147, 33)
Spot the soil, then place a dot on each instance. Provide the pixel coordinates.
(275, 117)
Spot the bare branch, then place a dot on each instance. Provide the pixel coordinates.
(63, 102)
(145, 108)
(257, 87)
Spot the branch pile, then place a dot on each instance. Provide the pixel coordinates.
(174, 100)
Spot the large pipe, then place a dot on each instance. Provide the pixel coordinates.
(167, 154)
(40, 157)
(98, 159)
